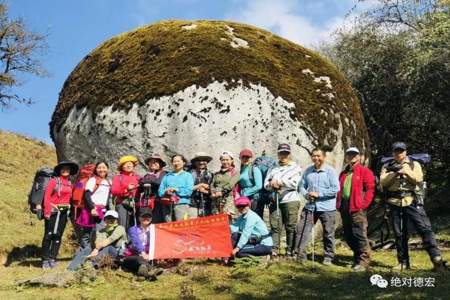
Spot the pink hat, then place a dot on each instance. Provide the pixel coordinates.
(242, 201)
(246, 152)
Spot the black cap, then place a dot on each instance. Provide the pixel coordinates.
(399, 146)
(284, 148)
(145, 212)
(73, 167)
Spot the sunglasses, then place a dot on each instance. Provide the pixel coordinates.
(241, 206)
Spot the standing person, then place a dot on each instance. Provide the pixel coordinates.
(284, 180)
(56, 209)
(136, 257)
(402, 179)
(319, 185)
(357, 188)
(250, 181)
(97, 197)
(124, 189)
(176, 190)
(223, 185)
(149, 186)
(110, 240)
(249, 233)
(201, 199)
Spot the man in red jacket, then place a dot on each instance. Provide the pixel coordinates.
(357, 191)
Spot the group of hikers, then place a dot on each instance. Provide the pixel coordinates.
(115, 217)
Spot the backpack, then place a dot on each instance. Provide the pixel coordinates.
(264, 164)
(86, 172)
(37, 192)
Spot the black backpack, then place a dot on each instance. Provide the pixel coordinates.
(36, 195)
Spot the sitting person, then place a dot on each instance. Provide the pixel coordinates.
(136, 256)
(109, 240)
(249, 234)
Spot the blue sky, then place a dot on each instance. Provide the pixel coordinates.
(76, 27)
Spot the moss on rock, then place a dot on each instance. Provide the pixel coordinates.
(169, 56)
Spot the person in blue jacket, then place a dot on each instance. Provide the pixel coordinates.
(249, 233)
(176, 189)
(251, 181)
(319, 185)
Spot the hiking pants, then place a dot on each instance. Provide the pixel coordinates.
(304, 230)
(250, 249)
(126, 218)
(355, 233)
(52, 240)
(79, 259)
(289, 214)
(132, 263)
(257, 205)
(419, 219)
(184, 211)
(86, 234)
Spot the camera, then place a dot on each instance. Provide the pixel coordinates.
(394, 167)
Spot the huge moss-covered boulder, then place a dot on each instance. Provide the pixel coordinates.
(188, 86)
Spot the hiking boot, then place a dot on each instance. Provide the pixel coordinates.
(142, 271)
(440, 265)
(155, 272)
(52, 263)
(401, 267)
(359, 268)
(327, 261)
(46, 264)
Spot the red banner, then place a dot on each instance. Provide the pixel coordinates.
(202, 237)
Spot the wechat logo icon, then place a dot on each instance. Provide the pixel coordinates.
(379, 281)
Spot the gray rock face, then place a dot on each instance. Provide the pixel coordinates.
(211, 119)
(183, 87)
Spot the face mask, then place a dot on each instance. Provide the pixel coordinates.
(110, 228)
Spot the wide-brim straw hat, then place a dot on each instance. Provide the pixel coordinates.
(125, 159)
(201, 156)
(156, 157)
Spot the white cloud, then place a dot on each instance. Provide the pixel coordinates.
(282, 17)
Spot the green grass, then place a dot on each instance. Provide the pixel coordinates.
(20, 157)
(199, 280)
(278, 280)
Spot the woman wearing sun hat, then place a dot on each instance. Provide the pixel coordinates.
(124, 189)
(149, 185)
(200, 198)
(56, 208)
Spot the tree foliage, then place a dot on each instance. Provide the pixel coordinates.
(20, 52)
(398, 59)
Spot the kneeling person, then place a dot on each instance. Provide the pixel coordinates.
(249, 233)
(137, 259)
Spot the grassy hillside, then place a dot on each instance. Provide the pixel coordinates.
(20, 157)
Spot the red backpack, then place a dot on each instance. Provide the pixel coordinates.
(86, 172)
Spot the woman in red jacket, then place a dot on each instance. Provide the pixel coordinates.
(56, 208)
(124, 189)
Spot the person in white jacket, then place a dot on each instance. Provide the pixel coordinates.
(283, 181)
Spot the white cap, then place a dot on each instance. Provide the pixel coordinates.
(352, 150)
(111, 213)
(229, 153)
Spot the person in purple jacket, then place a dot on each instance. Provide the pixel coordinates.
(136, 257)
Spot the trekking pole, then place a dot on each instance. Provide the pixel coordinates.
(278, 220)
(313, 236)
(402, 238)
(55, 228)
(202, 205)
